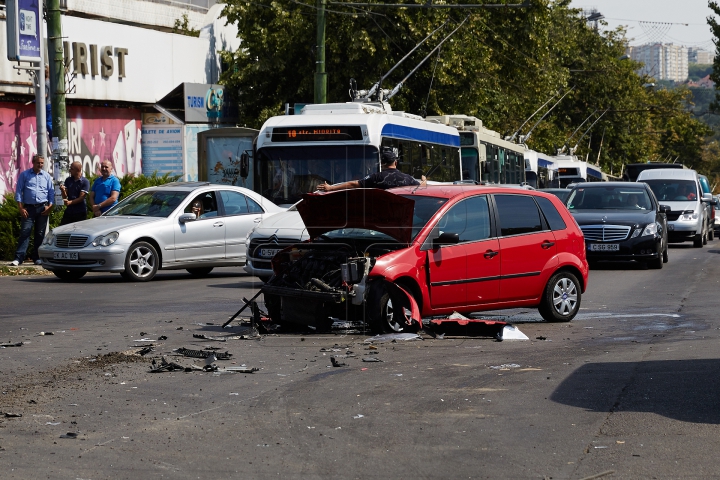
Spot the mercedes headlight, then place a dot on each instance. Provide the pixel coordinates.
(49, 239)
(105, 240)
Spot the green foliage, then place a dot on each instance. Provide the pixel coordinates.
(500, 66)
(10, 214)
(696, 71)
(182, 27)
(715, 29)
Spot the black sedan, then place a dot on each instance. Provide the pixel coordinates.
(621, 221)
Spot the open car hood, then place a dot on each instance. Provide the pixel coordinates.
(367, 208)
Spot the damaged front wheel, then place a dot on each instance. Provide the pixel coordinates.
(387, 310)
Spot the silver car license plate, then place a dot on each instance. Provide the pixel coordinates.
(65, 255)
(604, 247)
(269, 252)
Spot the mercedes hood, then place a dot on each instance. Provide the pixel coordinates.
(614, 217)
(367, 208)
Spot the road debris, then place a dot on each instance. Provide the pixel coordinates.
(69, 435)
(512, 333)
(336, 363)
(186, 352)
(458, 325)
(6, 345)
(241, 369)
(166, 366)
(393, 337)
(41, 334)
(12, 415)
(371, 359)
(162, 337)
(505, 366)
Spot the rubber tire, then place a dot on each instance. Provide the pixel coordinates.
(382, 323)
(655, 263)
(698, 241)
(711, 234)
(69, 275)
(665, 256)
(547, 309)
(705, 237)
(148, 252)
(199, 272)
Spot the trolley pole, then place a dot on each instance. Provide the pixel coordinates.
(57, 91)
(320, 73)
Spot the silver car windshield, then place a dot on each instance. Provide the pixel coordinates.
(158, 203)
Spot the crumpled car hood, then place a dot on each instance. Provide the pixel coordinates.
(367, 208)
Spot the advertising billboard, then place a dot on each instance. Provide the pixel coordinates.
(24, 30)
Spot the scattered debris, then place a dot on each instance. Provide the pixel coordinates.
(18, 344)
(336, 363)
(45, 333)
(359, 416)
(52, 423)
(458, 325)
(12, 415)
(204, 354)
(162, 337)
(505, 366)
(166, 366)
(512, 333)
(393, 337)
(242, 369)
(69, 435)
(371, 359)
(540, 338)
(144, 351)
(208, 337)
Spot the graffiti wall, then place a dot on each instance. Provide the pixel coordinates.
(94, 134)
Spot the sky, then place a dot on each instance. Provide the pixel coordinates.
(631, 12)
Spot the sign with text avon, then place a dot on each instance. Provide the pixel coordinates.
(23, 30)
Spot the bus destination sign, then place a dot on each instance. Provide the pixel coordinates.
(316, 134)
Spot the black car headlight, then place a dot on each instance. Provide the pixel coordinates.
(650, 230)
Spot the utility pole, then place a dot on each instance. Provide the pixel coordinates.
(40, 100)
(320, 73)
(57, 91)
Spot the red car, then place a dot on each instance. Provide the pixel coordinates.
(392, 257)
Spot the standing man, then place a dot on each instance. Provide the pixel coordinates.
(34, 193)
(389, 177)
(73, 193)
(105, 190)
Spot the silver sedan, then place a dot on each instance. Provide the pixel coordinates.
(193, 226)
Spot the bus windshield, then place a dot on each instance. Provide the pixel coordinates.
(285, 173)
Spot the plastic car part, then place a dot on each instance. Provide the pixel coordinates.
(467, 327)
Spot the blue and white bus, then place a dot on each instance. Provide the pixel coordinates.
(540, 170)
(338, 142)
(573, 170)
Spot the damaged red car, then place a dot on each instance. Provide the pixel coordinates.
(393, 257)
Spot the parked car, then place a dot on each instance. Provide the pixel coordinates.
(621, 221)
(269, 237)
(194, 226)
(378, 254)
(710, 209)
(680, 190)
(717, 215)
(561, 193)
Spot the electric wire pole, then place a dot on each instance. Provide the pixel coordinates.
(57, 91)
(320, 73)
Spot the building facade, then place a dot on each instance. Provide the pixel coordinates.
(662, 61)
(701, 56)
(121, 60)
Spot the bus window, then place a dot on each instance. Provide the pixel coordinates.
(470, 164)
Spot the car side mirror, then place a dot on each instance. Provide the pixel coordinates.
(665, 209)
(187, 217)
(446, 238)
(707, 197)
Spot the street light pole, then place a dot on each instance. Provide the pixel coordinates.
(57, 91)
(320, 73)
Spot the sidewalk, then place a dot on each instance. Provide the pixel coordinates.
(27, 268)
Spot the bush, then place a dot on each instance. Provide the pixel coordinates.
(10, 213)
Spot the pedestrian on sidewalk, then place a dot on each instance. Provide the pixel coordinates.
(34, 193)
(105, 190)
(73, 192)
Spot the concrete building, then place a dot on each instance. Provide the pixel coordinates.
(662, 61)
(108, 108)
(698, 55)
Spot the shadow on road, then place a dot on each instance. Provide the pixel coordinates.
(683, 390)
(615, 265)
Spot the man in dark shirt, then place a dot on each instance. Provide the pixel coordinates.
(389, 177)
(74, 191)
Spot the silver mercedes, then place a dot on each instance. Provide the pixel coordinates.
(181, 225)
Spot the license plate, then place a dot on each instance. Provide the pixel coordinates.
(65, 255)
(604, 247)
(269, 252)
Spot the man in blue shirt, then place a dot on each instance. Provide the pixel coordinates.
(34, 193)
(105, 190)
(73, 192)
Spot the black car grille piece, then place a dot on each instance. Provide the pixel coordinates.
(673, 216)
(605, 233)
(67, 240)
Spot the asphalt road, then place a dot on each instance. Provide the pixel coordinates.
(629, 389)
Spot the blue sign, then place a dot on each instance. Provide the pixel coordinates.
(24, 32)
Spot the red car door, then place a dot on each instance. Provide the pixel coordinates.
(527, 248)
(447, 264)
(483, 253)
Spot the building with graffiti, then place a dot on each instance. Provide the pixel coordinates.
(121, 60)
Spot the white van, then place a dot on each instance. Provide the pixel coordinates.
(681, 191)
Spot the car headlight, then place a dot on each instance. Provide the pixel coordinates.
(689, 216)
(105, 240)
(49, 239)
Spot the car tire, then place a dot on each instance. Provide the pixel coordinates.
(69, 275)
(561, 298)
(705, 237)
(141, 263)
(665, 256)
(655, 263)
(387, 318)
(711, 234)
(698, 241)
(199, 272)
(274, 307)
